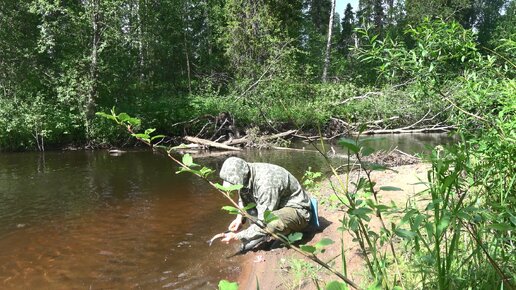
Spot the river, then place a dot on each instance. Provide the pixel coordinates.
(91, 220)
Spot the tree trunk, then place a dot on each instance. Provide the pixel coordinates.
(186, 29)
(94, 70)
(141, 57)
(328, 43)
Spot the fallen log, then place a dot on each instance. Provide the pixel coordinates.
(210, 143)
(238, 141)
(404, 131)
(294, 149)
(279, 135)
(245, 139)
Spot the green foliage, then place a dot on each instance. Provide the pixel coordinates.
(231, 209)
(319, 247)
(226, 285)
(310, 179)
(336, 285)
(175, 62)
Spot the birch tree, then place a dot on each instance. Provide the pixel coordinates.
(328, 43)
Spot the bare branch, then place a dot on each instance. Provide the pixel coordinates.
(461, 109)
(359, 97)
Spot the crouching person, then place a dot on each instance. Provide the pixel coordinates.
(272, 188)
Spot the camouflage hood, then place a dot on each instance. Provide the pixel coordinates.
(235, 171)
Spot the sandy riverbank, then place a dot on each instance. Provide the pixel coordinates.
(285, 269)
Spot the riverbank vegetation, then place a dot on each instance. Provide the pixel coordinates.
(269, 65)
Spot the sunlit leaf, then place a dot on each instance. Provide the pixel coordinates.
(182, 169)
(250, 206)
(123, 117)
(231, 209)
(149, 131)
(141, 136)
(205, 171)
(133, 121)
(107, 116)
(187, 160)
(158, 136)
(324, 242)
(308, 249)
(294, 237)
(233, 187)
(226, 285)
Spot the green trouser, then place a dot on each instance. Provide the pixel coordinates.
(289, 220)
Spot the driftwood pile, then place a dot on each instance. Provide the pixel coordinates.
(220, 132)
(196, 143)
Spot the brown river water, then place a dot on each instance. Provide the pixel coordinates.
(90, 220)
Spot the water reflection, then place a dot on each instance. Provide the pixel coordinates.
(87, 219)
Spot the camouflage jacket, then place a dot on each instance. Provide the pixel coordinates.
(269, 186)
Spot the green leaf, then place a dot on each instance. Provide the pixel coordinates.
(250, 206)
(501, 227)
(182, 169)
(226, 285)
(149, 131)
(390, 188)
(380, 207)
(268, 216)
(323, 243)
(336, 285)
(107, 116)
(123, 117)
(158, 136)
(308, 249)
(405, 234)
(187, 160)
(361, 213)
(349, 144)
(229, 188)
(443, 223)
(366, 151)
(205, 171)
(513, 220)
(231, 209)
(141, 136)
(294, 237)
(134, 121)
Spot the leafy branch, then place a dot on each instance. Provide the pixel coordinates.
(187, 165)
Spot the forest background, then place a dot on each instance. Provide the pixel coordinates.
(275, 65)
(178, 64)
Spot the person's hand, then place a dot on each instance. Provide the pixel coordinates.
(228, 237)
(235, 224)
